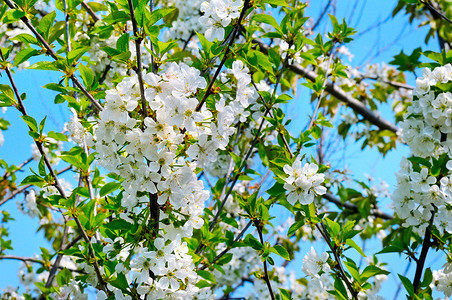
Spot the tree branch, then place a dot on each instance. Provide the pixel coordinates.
(337, 92)
(226, 250)
(376, 213)
(325, 81)
(321, 228)
(53, 54)
(439, 12)
(225, 56)
(90, 12)
(421, 260)
(57, 184)
(392, 83)
(139, 66)
(267, 280)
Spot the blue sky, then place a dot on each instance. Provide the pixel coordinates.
(377, 45)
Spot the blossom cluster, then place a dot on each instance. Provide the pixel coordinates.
(428, 121)
(423, 195)
(187, 21)
(426, 129)
(303, 183)
(217, 15)
(442, 280)
(159, 155)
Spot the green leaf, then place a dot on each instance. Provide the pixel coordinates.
(206, 275)
(122, 45)
(253, 242)
(352, 244)
(371, 271)
(407, 284)
(352, 268)
(57, 136)
(7, 91)
(75, 54)
(87, 76)
(281, 251)
(73, 160)
(109, 188)
(158, 14)
(428, 277)
(26, 38)
(42, 167)
(31, 123)
(277, 2)
(203, 283)
(120, 282)
(334, 228)
(225, 259)
(64, 276)
(24, 55)
(421, 161)
(285, 294)
(13, 15)
(267, 19)
(294, 228)
(44, 65)
(34, 180)
(55, 87)
(46, 24)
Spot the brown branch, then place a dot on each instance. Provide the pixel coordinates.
(90, 12)
(266, 278)
(340, 94)
(225, 56)
(53, 54)
(57, 184)
(20, 190)
(376, 212)
(439, 12)
(226, 250)
(321, 228)
(427, 243)
(392, 83)
(33, 260)
(139, 66)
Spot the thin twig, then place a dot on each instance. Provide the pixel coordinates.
(256, 137)
(139, 67)
(399, 286)
(376, 213)
(57, 184)
(266, 278)
(33, 260)
(7, 174)
(225, 56)
(338, 93)
(90, 12)
(319, 98)
(66, 24)
(59, 257)
(236, 177)
(392, 83)
(321, 228)
(322, 14)
(436, 10)
(421, 260)
(21, 189)
(151, 8)
(53, 54)
(228, 248)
